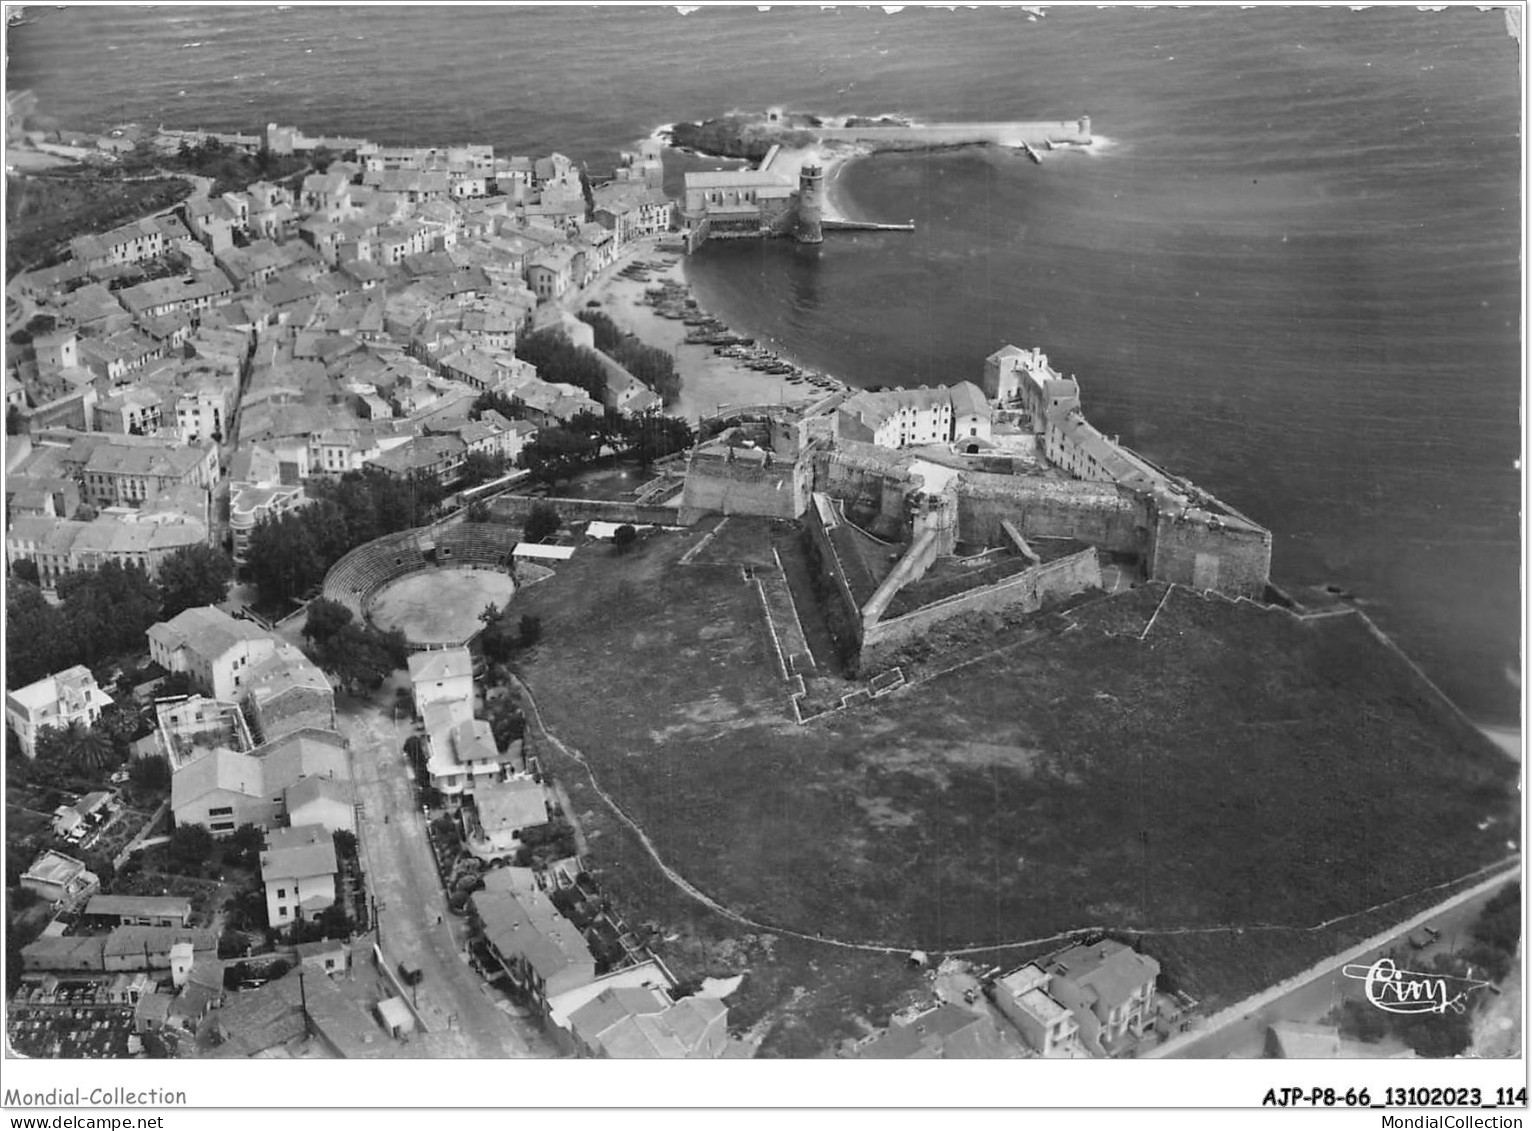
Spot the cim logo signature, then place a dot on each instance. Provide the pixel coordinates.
(1404, 991)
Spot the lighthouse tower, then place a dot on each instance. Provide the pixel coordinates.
(811, 204)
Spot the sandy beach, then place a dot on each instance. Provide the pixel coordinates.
(708, 382)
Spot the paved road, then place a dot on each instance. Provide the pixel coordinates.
(1246, 1038)
(453, 1000)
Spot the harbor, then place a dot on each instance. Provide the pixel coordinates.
(719, 365)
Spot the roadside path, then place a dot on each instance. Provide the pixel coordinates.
(680, 881)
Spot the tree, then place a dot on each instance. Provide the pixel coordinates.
(89, 751)
(243, 847)
(494, 402)
(120, 725)
(325, 619)
(52, 746)
(542, 522)
(25, 569)
(362, 657)
(190, 847)
(1499, 923)
(624, 537)
(480, 467)
(151, 774)
(345, 844)
(496, 641)
(558, 453)
(562, 362)
(478, 511)
(107, 610)
(333, 922)
(195, 576)
(36, 644)
(531, 630)
(652, 436)
(505, 723)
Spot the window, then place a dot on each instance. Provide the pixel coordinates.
(222, 826)
(281, 893)
(282, 912)
(226, 811)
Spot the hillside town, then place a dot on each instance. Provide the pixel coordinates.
(251, 816)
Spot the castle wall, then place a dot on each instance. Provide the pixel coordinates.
(719, 486)
(1027, 591)
(1099, 513)
(840, 607)
(1230, 557)
(872, 478)
(910, 568)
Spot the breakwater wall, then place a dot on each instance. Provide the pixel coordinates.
(1013, 134)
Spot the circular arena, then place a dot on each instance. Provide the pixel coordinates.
(431, 583)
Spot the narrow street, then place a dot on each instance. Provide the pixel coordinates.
(456, 1005)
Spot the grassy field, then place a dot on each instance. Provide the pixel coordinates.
(1237, 768)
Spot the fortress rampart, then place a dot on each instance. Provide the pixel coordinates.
(1204, 551)
(1105, 515)
(1027, 591)
(752, 482)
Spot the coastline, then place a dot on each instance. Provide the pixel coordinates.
(708, 381)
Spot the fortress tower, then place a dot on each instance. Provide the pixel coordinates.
(811, 204)
(1085, 127)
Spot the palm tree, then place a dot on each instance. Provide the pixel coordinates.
(88, 750)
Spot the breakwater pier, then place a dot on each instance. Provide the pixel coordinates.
(863, 226)
(1015, 135)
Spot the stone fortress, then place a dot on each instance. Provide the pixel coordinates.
(925, 504)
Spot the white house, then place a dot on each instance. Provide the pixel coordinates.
(215, 649)
(56, 701)
(444, 676)
(298, 869)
